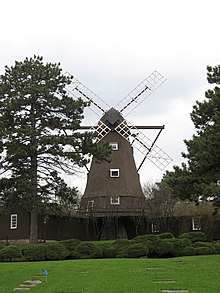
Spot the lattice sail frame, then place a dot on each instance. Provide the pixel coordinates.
(140, 93)
(101, 130)
(79, 90)
(144, 145)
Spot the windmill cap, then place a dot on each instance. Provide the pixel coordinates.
(112, 116)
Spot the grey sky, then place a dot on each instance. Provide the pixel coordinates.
(111, 46)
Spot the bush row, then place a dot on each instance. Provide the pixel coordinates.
(150, 245)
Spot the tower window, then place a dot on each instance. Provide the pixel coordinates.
(114, 172)
(90, 205)
(115, 200)
(114, 146)
(14, 221)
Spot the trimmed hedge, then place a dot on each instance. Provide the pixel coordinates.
(56, 251)
(194, 236)
(161, 245)
(203, 250)
(164, 248)
(108, 250)
(179, 245)
(2, 245)
(121, 246)
(137, 250)
(11, 253)
(88, 250)
(167, 235)
(34, 252)
(204, 244)
(216, 247)
(188, 251)
(71, 245)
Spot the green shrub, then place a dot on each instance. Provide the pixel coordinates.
(203, 250)
(88, 250)
(33, 252)
(11, 253)
(71, 244)
(121, 252)
(179, 245)
(167, 235)
(2, 245)
(216, 247)
(121, 242)
(205, 244)
(56, 251)
(121, 246)
(164, 248)
(137, 250)
(152, 237)
(145, 238)
(109, 251)
(140, 239)
(194, 236)
(188, 251)
(151, 248)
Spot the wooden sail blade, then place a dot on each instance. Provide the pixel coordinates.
(144, 145)
(140, 93)
(78, 90)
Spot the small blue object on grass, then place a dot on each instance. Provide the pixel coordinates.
(45, 274)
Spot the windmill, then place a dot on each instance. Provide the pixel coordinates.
(114, 188)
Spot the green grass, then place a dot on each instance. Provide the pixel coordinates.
(198, 274)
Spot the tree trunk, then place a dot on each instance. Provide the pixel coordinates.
(33, 227)
(34, 215)
(34, 195)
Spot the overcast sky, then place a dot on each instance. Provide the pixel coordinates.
(111, 46)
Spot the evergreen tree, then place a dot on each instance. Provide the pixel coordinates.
(199, 179)
(38, 135)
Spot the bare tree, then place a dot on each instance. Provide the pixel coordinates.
(161, 204)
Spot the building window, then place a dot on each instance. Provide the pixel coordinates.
(115, 200)
(90, 205)
(155, 227)
(114, 172)
(196, 224)
(114, 146)
(14, 221)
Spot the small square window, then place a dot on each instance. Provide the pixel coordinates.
(14, 221)
(196, 224)
(114, 172)
(114, 146)
(90, 205)
(115, 200)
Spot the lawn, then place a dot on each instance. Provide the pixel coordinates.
(198, 274)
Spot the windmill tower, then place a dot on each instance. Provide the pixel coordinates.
(113, 188)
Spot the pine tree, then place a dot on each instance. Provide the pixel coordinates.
(38, 133)
(199, 178)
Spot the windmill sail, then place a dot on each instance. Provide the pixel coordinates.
(155, 154)
(78, 90)
(140, 93)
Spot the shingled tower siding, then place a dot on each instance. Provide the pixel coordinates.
(113, 188)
